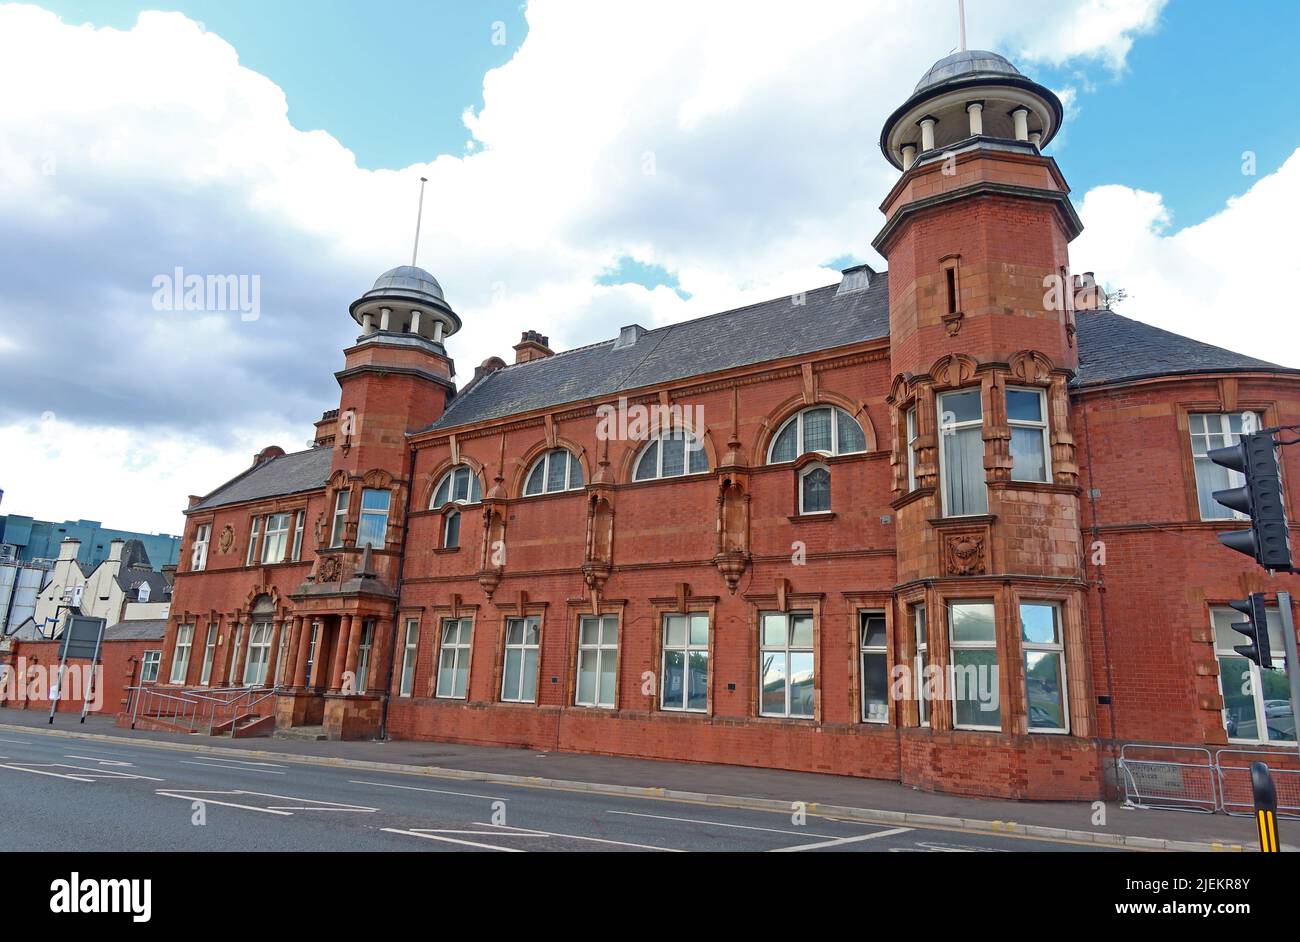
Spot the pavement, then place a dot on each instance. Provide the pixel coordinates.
(441, 796)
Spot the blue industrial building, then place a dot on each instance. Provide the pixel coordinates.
(39, 539)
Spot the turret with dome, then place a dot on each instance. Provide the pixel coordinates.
(405, 300)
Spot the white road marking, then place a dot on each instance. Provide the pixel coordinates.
(313, 804)
(438, 791)
(99, 773)
(18, 742)
(224, 804)
(719, 824)
(452, 840)
(19, 768)
(101, 760)
(230, 768)
(532, 832)
(841, 840)
(278, 765)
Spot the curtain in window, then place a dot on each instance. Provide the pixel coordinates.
(964, 471)
(1028, 463)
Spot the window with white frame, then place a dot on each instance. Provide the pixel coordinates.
(209, 656)
(199, 551)
(555, 471)
(453, 658)
(149, 667)
(299, 523)
(276, 539)
(451, 530)
(519, 673)
(671, 454)
(1046, 696)
(973, 670)
(873, 651)
(460, 485)
(815, 489)
(410, 648)
(181, 656)
(828, 430)
(254, 532)
(1209, 431)
(339, 527)
(1256, 703)
(921, 664)
(372, 530)
(911, 448)
(597, 661)
(237, 645)
(1027, 416)
(259, 654)
(961, 453)
(685, 663)
(786, 665)
(364, 648)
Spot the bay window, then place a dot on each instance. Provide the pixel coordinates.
(1209, 431)
(1027, 417)
(973, 673)
(1044, 648)
(338, 528)
(961, 453)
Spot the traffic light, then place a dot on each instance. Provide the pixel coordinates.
(1255, 627)
(1267, 540)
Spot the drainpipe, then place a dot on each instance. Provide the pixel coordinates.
(1101, 591)
(397, 602)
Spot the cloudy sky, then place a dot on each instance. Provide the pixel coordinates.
(590, 165)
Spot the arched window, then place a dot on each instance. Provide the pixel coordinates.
(451, 530)
(825, 429)
(554, 471)
(815, 489)
(460, 485)
(671, 454)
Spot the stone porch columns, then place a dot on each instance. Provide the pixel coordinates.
(341, 643)
(273, 655)
(354, 651)
(238, 679)
(295, 638)
(304, 649)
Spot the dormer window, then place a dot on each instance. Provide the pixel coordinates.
(555, 471)
(142, 593)
(827, 430)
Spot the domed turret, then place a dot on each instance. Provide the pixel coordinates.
(405, 300)
(970, 95)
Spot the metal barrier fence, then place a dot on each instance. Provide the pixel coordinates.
(1189, 778)
(1235, 794)
(1179, 778)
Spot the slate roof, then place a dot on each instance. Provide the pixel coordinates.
(1111, 348)
(1114, 348)
(140, 629)
(286, 474)
(785, 326)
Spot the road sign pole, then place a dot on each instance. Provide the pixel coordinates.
(1292, 657)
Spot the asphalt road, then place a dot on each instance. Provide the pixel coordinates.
(67, 794)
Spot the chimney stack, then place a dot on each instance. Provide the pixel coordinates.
(532, 346)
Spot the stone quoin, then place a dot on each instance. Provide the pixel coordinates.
(964, 467)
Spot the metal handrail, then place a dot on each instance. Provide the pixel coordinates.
(194, 708)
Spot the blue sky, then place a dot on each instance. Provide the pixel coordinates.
(645, 161)
(388, 78)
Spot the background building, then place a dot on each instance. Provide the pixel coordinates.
(28, 540)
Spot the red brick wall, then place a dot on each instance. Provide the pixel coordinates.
(121, 669)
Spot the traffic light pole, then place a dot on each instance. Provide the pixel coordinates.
(1292, 668)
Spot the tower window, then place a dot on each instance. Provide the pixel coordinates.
(950, 275)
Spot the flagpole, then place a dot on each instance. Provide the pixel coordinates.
(419, 217)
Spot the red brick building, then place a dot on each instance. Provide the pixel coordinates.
(948, 525)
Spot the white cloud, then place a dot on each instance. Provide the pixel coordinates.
(129, 152)
(1228, 280)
